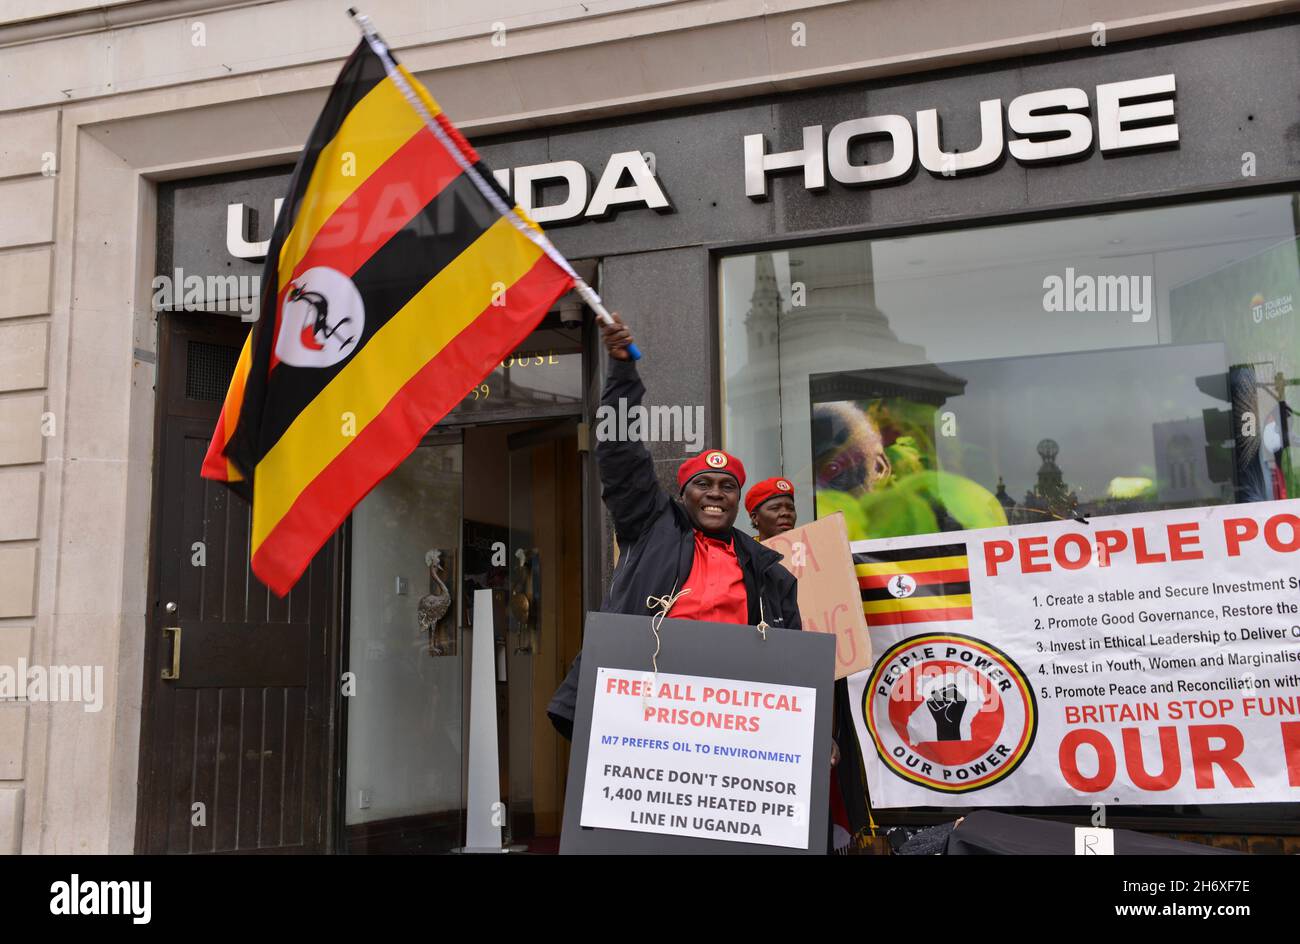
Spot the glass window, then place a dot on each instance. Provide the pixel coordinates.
(404, 718)
(1093, 365)
(1008, 374)
(542, 377)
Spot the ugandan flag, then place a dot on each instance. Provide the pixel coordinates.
(914, 584)
(395, 281)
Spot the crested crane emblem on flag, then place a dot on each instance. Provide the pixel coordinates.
(901, 585)
(913, 584)
(388, 294)
(321, 320)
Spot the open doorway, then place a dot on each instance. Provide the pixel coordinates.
(495, 505)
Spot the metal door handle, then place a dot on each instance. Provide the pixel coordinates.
(174, 673)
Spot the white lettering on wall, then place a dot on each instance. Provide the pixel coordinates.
(237, 242)
(1046, 126)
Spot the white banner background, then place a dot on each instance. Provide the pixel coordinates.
(1189, 692)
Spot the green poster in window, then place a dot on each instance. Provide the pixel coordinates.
(876, 460)
(924, 448)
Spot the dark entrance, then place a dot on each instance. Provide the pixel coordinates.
(493, 499)
(234, 752)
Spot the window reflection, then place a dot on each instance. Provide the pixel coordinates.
(543, 377)
(954, 343)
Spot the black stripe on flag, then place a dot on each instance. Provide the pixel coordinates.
(361, 73)
(922, 590)
(910, 554)
(448, 225)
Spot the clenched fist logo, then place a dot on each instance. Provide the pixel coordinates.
(947, 705)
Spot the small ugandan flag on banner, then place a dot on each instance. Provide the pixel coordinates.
(914, 584)
(399, 274)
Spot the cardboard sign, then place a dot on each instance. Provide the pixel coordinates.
(725, 749)
(829, 598)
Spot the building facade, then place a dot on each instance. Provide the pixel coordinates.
(796, 206)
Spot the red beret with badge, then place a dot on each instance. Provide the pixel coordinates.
(767, 489)
(713, 460)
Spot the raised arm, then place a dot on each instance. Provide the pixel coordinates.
(629, 486)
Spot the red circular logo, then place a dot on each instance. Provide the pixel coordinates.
(949, 712)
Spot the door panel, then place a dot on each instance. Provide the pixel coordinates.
(243, 729)
(545, 514)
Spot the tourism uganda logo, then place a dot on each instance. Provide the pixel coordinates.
(950, 713)
(914, 584)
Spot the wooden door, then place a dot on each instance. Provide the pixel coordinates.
(545, 511)
(235, 749)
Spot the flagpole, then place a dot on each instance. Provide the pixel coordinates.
(585, 291)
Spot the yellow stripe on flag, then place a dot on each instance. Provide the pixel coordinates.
(916, 603)
(435, 109)
(421, 92)
(372, 132)
(444, 307)
(235, 400)
(924, 565)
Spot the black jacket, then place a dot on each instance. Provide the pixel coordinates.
(657, 542)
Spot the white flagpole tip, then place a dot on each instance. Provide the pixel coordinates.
(538, 238)
(363, 22)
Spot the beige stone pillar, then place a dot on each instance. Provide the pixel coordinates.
(28, 164)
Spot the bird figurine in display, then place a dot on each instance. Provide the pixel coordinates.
(433, 606)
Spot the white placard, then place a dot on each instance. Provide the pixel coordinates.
(1094, 840)
(1149, 658)
(484, 813)
(689, 755)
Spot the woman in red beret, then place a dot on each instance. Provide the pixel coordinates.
(770, 504)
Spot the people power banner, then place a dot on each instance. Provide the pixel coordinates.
(1136, 659)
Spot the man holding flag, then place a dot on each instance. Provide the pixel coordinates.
(399, 273)
(680, 557)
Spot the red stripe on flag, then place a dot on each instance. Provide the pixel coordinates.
(919, 616)
(215, 465)
(393, 195)
(457, 138)
(393, 435)
(214, 462)
(879, 581)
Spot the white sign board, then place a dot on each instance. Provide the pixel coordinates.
(1137, 659)
(690, 755)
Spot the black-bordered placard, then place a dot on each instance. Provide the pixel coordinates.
(729, 741)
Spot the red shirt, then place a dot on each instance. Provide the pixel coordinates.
(716, 583)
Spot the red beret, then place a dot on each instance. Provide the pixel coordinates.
(714, 460)
(768, 488)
